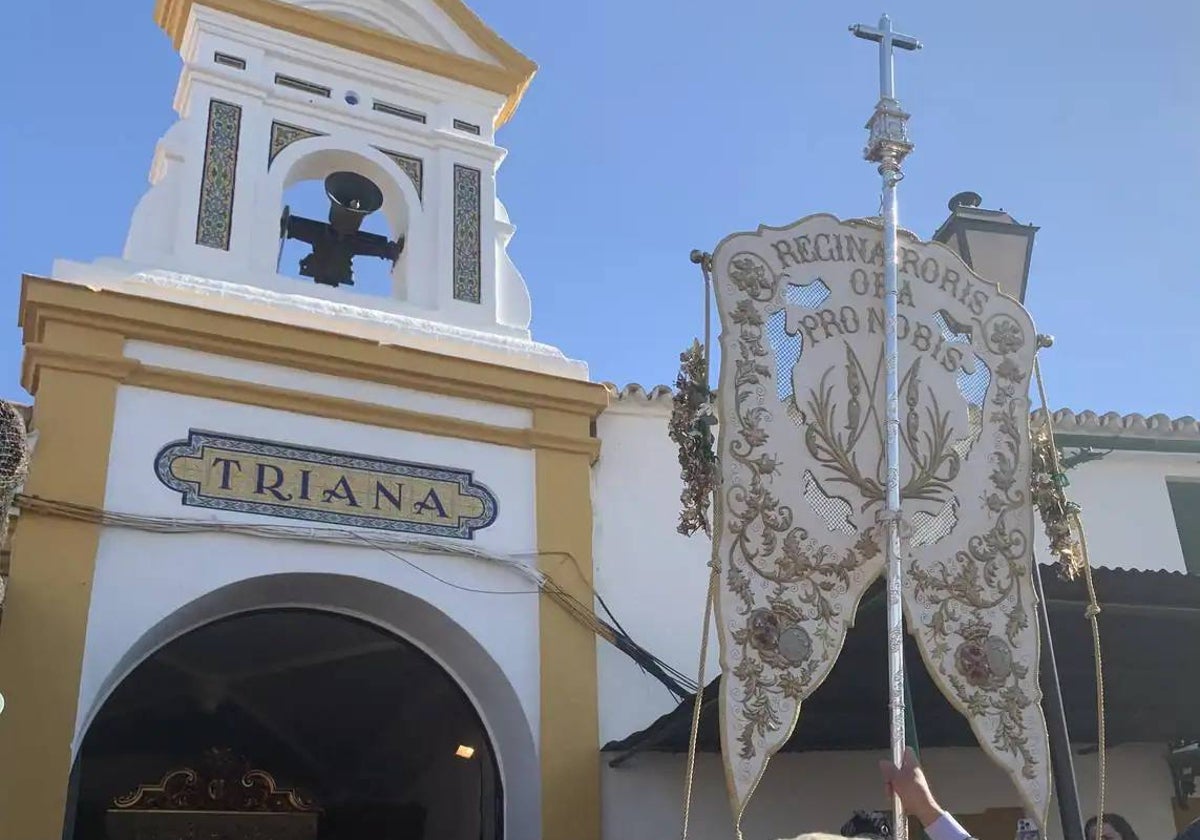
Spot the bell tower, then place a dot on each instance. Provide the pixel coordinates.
(397, 101)
(318, 142)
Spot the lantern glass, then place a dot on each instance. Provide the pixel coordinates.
(991, 242)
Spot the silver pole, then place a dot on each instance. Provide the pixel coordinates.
(704, 260)
(895, 573)
(887, 146)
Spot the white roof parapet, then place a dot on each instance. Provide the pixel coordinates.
(634, 399)
(1112, 424)
(658, 395)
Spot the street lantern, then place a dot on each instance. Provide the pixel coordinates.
(998, 249)
(991, 242)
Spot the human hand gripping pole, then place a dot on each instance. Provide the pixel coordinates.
(906, 782)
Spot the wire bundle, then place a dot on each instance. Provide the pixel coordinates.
(540, 583)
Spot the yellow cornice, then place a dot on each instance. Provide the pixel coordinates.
(511, 77)
(161, 322)
(75, 343)
(40, 358)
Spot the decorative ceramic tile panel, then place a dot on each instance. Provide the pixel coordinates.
(467, 263)
(215, 217)
(413, 167)
(269, 478)
(284, 135)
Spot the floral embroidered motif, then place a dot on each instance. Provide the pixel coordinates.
(793, 563)
(1057, 511)
(788, 593)
(691, 425)
(974, 609)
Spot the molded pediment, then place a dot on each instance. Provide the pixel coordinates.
(442, 37)
(423, 21)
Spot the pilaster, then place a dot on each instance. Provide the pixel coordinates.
(50, 582)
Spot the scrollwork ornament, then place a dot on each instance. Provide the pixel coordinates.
(803, 477)
(787, 594)
(1048, 485)
(223, 782)
(978, 634)
(691, 424)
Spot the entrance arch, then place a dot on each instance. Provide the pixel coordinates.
(356, 693)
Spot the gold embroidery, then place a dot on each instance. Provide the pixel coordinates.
(691, 425)
(779, 655)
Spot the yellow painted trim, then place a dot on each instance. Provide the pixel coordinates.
(511, 77)
(39, 357)
(570, 715)
(74, 357)
(314, 351)
(337, 408)
(50, 583)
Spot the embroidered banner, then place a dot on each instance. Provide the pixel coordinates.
(801, 446)
(212, 470)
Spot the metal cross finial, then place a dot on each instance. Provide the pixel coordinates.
(887, 39)
(888, 143)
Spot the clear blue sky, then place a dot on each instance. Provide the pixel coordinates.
(656, 127)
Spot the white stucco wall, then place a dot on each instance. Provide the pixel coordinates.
(354, 135)
(193, 361)
(653, 579)
(819, 791)
(144, 580)
(1127, 513)
(141, 578)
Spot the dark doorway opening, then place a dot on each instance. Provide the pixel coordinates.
(369, 727)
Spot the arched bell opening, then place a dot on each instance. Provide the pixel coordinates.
(344, 729)
(332, 235)
(346, 218)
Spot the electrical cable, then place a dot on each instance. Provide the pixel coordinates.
(392, 546)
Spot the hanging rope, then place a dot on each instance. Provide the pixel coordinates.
(692, 421)
(694, 737)
(693, 418)
(1062, 519)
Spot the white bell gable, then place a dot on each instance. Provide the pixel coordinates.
(407, 93)
(423, 21)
